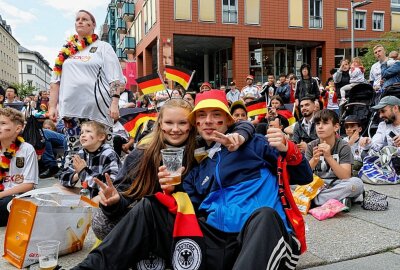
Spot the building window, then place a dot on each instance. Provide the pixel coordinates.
(295, 13)
(341, 18)
(183, 10)
(315, 13)
(359, 20)
(395, 21)
(29, 69)
(377, 21)
(229, 11)
(207, 10)
(395, 3)
(29, 82)
(252, 12)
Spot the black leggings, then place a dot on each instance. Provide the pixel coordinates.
(3, 210)
(263, 242)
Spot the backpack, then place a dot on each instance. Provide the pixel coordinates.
(33, 133)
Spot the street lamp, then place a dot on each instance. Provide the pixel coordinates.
(353, 6)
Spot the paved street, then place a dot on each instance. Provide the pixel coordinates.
(359, 239)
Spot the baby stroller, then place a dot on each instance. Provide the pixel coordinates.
(393, 90)
(360, 99)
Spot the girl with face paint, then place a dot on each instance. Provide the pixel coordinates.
(138, 176)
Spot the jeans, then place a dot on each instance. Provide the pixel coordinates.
(53, 140)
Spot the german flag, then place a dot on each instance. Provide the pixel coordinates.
(150, 83)
(132, 122)
(256, 107)
(179, 75)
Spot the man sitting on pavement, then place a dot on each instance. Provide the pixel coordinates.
(304, 130)
(247, 228)
(331, 159)
(386, 141)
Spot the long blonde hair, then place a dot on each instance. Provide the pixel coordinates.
(145, 174)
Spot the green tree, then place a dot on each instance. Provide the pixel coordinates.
(24, 89)
(390, 41)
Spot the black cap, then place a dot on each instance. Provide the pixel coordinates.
(352, 119)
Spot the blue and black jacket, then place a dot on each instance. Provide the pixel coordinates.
(227, 188)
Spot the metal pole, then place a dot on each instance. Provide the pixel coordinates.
(352, 29)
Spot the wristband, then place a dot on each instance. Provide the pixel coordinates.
(116, 96)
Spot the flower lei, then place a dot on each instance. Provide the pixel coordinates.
(72, 46)
(5, 159)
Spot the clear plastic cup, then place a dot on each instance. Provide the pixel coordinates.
(172, 159)
(48, 254)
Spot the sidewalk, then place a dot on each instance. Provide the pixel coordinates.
(359, 239)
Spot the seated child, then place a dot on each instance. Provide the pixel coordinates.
(94, 160)
(19, 165)
(331, 159)
(353, 129)
(330, 97)
(356, 77)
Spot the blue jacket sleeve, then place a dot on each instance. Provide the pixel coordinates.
(389, 72)
(190, 187)
(244, 128)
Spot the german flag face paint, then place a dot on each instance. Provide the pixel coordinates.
(175, 125)
(209, 120)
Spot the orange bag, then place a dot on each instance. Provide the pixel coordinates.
(304, 194)
(65, 218)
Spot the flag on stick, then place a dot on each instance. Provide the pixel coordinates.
(256, 107)
(180, 75)
(150, 84)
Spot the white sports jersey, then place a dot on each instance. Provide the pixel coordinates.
(24, 167)
(85, 83)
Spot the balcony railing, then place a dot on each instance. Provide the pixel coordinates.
(315, 22)
(121, 26)
(120, 54)
(128, 46)
(128, 12)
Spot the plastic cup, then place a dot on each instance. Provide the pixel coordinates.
(172, 159)
(48, 254)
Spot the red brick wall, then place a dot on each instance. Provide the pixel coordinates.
(273, 25)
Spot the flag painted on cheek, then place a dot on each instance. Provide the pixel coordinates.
(220, 123)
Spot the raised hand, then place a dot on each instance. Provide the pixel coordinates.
(277, 139)
(231, 141)
(78, 163)
(108, 193)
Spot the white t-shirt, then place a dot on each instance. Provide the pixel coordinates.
(375, 75)
(24, 167)
(83, 93)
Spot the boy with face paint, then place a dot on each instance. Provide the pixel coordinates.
(19, 166)
(96, 159)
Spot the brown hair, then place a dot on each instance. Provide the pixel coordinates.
(325, 115)
(90, 15)
(15, 116)
(145, 174)
(98, 127)
(50, 123)
(357, 60)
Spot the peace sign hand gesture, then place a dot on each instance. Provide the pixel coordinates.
(108, 193)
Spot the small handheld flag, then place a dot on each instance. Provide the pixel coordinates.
(150, 84)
